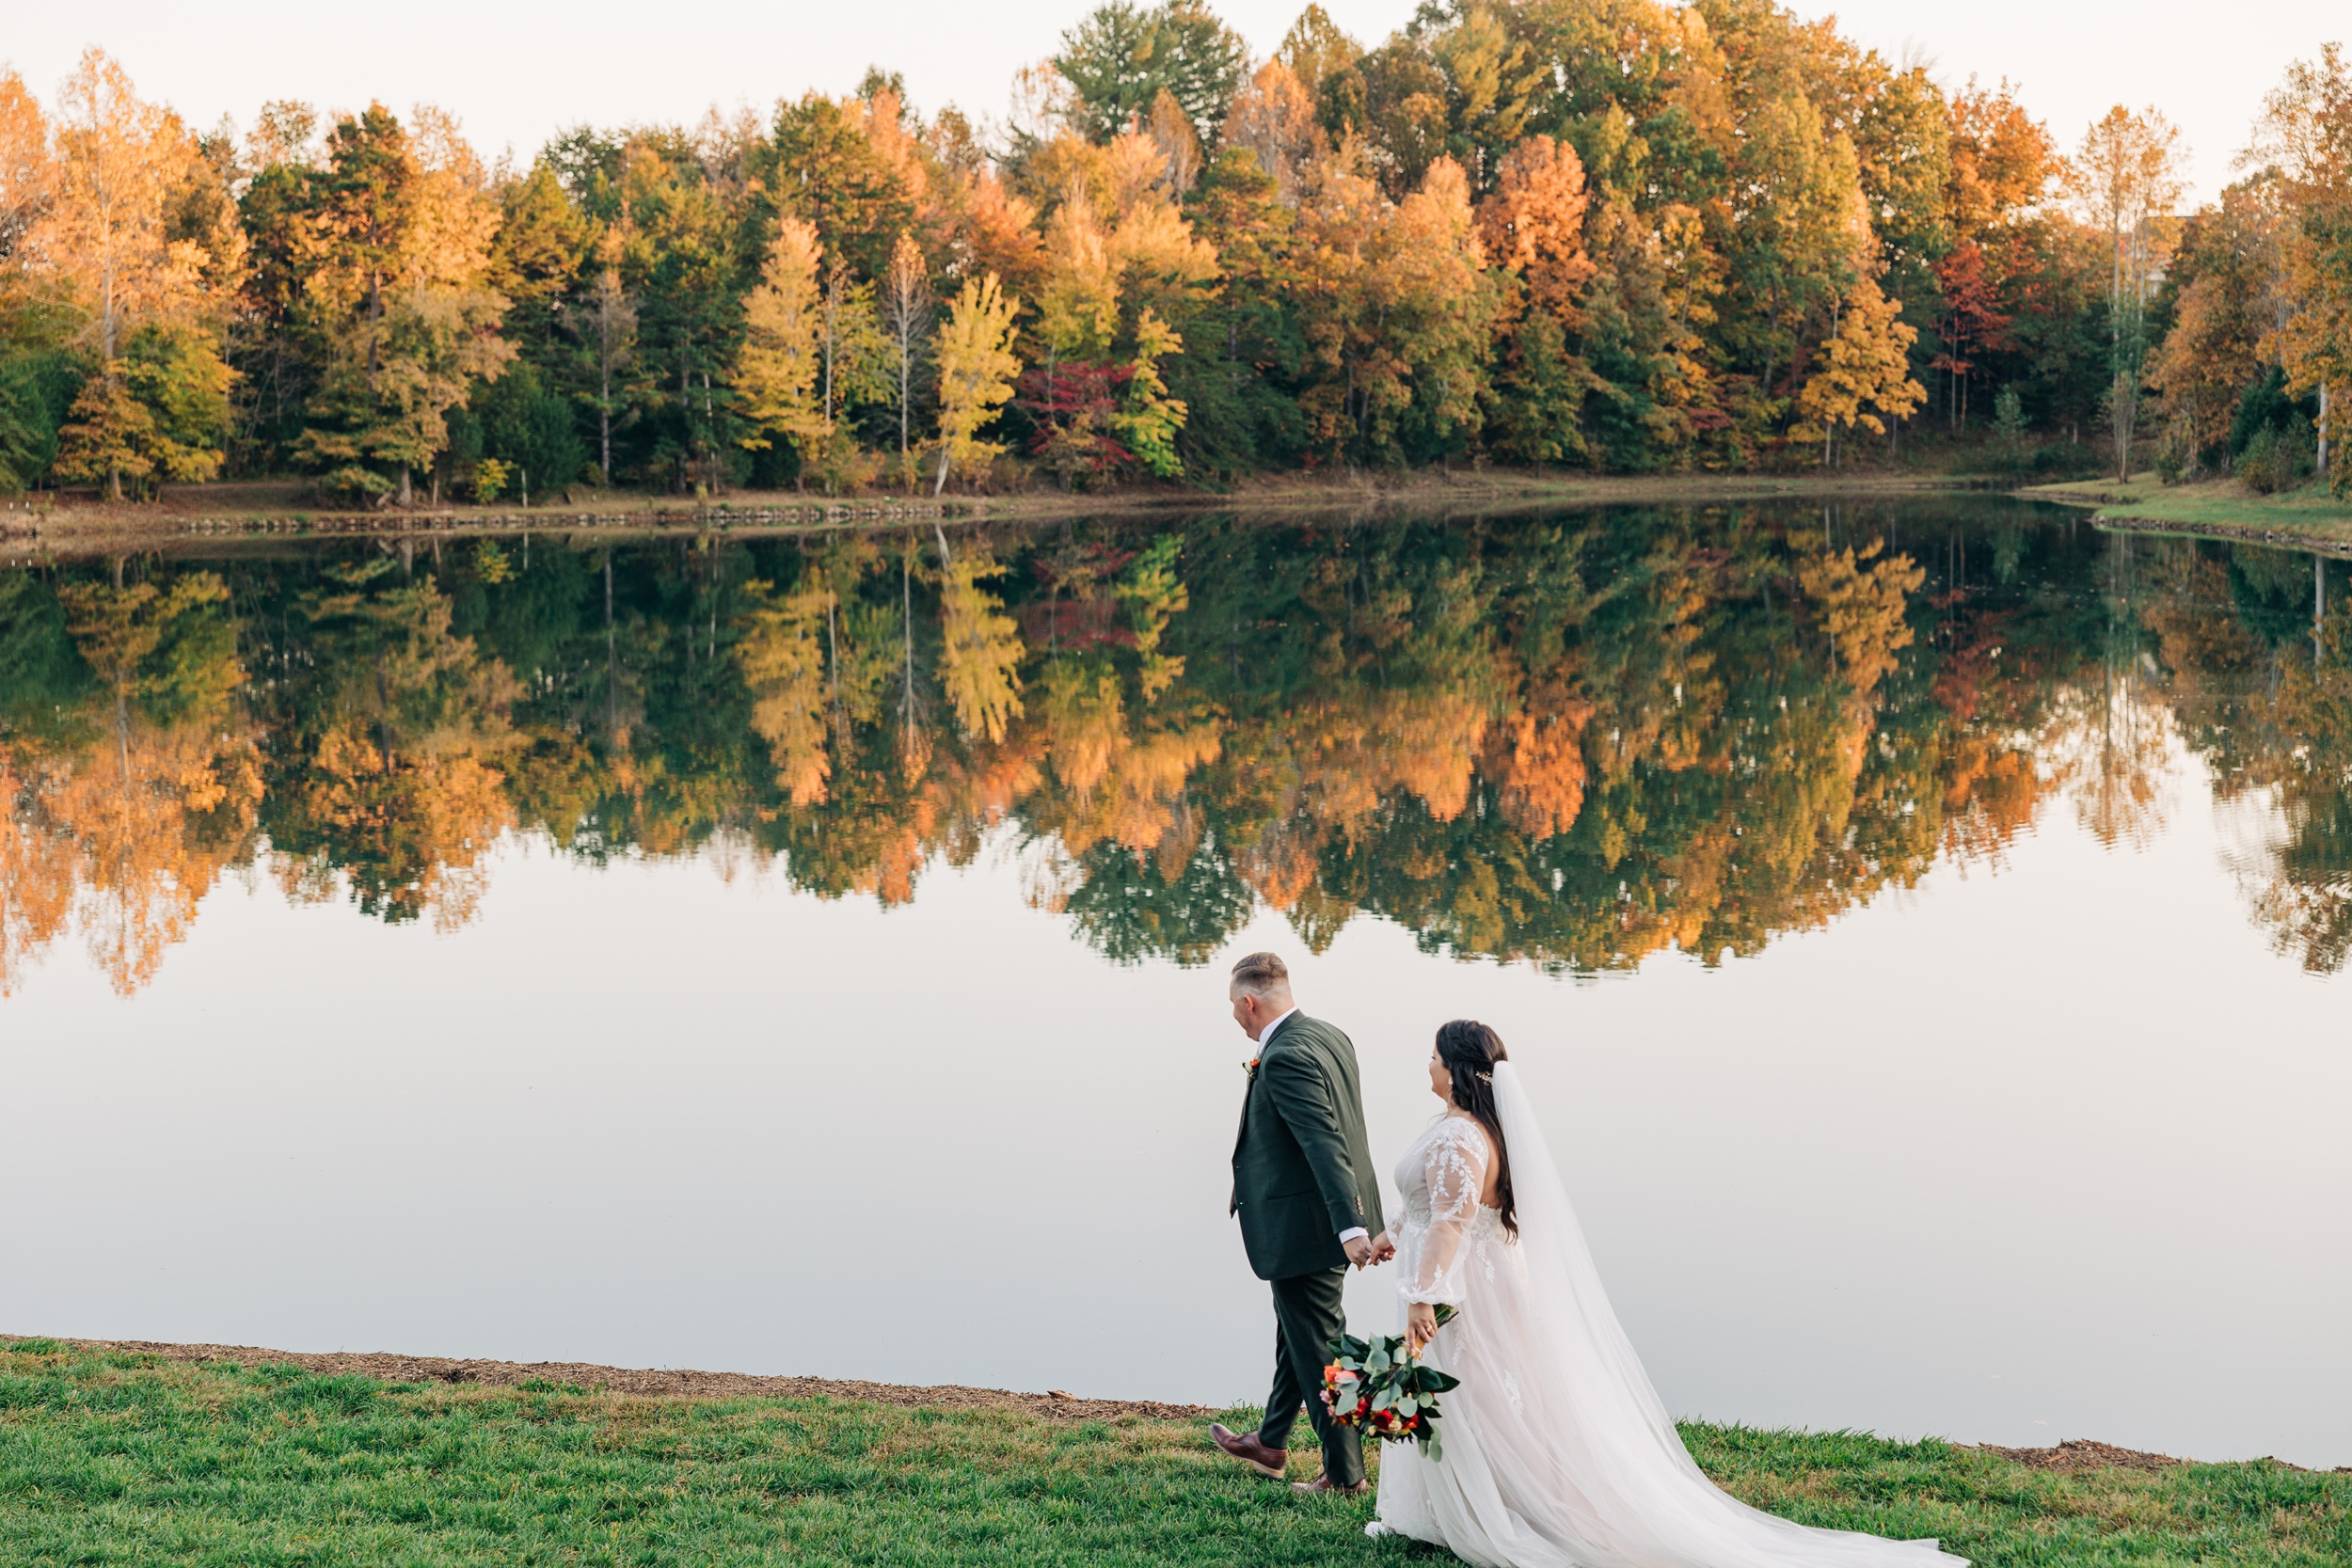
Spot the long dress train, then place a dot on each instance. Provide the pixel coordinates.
(1557, 1451)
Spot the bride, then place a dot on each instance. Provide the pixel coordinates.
(1557, 1450)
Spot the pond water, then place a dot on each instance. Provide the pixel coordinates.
(1922, 922)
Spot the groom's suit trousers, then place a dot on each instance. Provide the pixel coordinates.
(1308, 1316)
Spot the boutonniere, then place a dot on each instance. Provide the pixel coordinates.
(1250, 1069)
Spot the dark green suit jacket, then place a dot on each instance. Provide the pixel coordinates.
(1302, 1166)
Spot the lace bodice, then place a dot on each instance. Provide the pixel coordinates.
(1443, 1223)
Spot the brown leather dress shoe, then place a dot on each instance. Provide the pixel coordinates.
(1245, 1447)
(1324, 1483)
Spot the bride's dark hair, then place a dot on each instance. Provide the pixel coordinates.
(1469, 1050)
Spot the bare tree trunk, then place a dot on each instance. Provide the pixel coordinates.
(604, 385)
(2323, 429)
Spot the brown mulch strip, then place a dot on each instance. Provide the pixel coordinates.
(2077, 1455)
(659, 1381)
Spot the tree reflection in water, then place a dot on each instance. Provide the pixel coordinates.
(1570, 740)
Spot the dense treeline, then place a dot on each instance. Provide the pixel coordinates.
(1576, 741)
(1620, 234)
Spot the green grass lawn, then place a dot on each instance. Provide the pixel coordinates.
(2219, 507)
(115, 1458)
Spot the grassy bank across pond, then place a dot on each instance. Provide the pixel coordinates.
(2220, 509)
(116, 1456)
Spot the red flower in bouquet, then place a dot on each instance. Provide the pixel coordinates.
(1381, 1386)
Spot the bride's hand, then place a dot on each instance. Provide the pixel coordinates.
(1421, 1324)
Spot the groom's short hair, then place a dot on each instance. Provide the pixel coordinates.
(1261, 973)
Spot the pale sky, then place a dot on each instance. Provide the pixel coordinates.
(515, 72)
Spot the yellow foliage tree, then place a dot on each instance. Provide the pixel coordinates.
(108, 206)
(976, 371)
(779, 374)
(1863, 370)
(1078, 308)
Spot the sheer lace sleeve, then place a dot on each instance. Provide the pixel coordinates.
(1455, 1166)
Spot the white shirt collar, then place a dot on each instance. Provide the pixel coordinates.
(1267, 1032)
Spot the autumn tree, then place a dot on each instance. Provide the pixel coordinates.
(1274, 122)
(779, 375)
(976, 370)
(2222, 282)
(1970, 326)
(1862, 374)
(2306, 133)
(1395, 314)
(2125, 178)
(1532, 228)
(907, 309)
(1315, 49)
(121, 169)
(604, 323)
(398, 289)
(823, 167)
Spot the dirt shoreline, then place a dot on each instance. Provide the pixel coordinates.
(648, 1382)
(262, 511)
(2235, 532)
(2070, 1457)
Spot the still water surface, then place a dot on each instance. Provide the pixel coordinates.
(805, 954)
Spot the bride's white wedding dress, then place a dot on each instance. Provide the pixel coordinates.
(1556, 1449)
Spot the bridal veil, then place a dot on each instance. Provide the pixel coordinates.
(1574, 1461)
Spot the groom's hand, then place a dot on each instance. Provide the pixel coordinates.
(1360, 1251)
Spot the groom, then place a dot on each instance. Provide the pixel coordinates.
(1310, 1205)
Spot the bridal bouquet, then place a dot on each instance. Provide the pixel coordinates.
(1381, 1385)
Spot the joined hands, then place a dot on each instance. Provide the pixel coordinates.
(1368, 1252)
